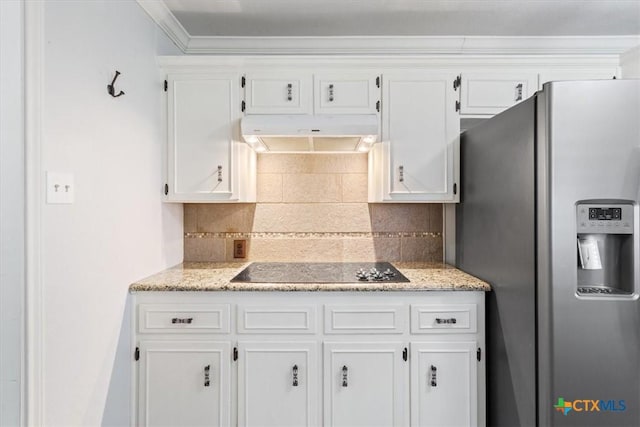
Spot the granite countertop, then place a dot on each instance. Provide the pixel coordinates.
(204, 276)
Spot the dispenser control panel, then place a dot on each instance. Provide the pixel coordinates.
(605, 219)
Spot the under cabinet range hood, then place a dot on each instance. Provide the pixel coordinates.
(305, 133)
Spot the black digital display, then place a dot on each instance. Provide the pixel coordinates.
(605, 214)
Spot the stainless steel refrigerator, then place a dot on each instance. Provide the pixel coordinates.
(549, 216)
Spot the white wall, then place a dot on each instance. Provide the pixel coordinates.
(117, 230)
(11, 210)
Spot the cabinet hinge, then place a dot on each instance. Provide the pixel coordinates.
(378, 106)
(243, 106)
(166, 189)
(479, 354)
(457, 105)
(166, 85)
(378, 81)
(243, 81)
(405, 354)
(235, 353)
(455, 188)
(136, 354)
(457, 82)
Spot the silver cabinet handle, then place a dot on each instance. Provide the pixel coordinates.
(289, 92)
(519, 92)
(440, 321)
(219, 173)
(295, 375)
(207, 369)
(434, 376)
(345, 372)
(330, 93)
(186, 320)
(401, 173)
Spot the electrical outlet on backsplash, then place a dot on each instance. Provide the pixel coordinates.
(314, 208)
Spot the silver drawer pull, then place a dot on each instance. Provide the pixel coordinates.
(330, 93)
(519, 92)
(401, 173)
(219, 173)
(289, 92)
(207, 369)
(434, 376)
(186, 320)
(345, 373)
(451, 321)
(295, 375)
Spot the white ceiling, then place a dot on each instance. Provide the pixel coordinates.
(322, 18)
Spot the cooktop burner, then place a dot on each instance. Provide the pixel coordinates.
(319, 272)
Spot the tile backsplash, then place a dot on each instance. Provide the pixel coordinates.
(313, 207)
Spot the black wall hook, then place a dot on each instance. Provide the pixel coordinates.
(111, 89)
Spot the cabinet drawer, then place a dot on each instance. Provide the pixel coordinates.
(430, 319)
(277, 320)
(365, 319)
(194, 318)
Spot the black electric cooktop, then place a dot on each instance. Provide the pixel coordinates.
(319, 272)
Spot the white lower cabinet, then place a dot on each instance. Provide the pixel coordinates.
(277, 384)
(443, 377)
(363, 384)
(262, 359)
(184, 383)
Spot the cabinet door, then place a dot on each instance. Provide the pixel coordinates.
(363, 384)
(203, 121)
(491, 93)
(420, 134)
(581, 74)
(278, 93)
(184, 383)
(346, 93)
(444, 384)
(277, 384)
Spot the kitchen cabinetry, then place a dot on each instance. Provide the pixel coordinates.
(278, 93)
(203, 144)
(563, 75)
(346, 93)
(418, 158)
(363, 384)
(304, 93)
(277, 384)
(309, 358)
(492, 92)
(443, 373)
(184, 383)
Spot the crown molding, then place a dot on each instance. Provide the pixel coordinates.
(166, 20)
(449, 45)
(384, 45)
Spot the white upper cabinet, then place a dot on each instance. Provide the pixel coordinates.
(204, 149)
(493, 92)
(278, 93)
(346, 93)
(563, 75)
(417, 160)
(304, 93)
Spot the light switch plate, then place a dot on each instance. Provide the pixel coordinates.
(60, 188)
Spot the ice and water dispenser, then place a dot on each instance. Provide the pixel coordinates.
(606, 248)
